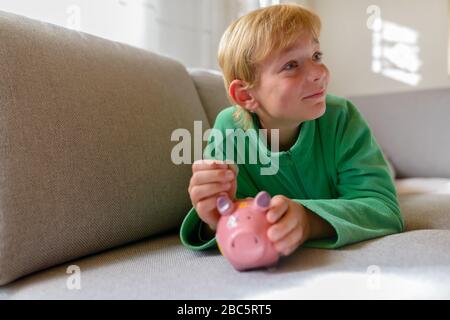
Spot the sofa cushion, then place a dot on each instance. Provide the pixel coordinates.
(412, 128)
(426, 211)
(85, 144)
(412, 265)
(410, 186)
(211, 89)
(424, 202)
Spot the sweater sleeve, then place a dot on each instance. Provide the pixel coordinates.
(191, 227)
(367, 205)
(190, 231)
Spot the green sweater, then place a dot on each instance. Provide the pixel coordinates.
(335, 168)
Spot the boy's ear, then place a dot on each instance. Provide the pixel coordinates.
(242, 96)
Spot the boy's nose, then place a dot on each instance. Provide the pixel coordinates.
(317, 73)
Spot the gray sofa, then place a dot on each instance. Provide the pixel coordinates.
(91, 203)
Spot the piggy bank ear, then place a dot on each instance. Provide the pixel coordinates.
(224, 205)
(262, 200)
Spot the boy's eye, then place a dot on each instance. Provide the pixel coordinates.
(290, 65)
(318, 56)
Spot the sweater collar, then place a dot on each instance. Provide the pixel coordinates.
(302, 144)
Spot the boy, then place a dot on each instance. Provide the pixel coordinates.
(333, 185)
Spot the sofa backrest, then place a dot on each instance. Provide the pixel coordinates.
(85, 144)
(413, 129)
(211, 89)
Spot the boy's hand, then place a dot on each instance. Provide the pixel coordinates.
(291, 224)
(211, 178)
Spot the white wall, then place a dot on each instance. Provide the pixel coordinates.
(190, 30)
(119, 20)
(347, 43)
(186, 30)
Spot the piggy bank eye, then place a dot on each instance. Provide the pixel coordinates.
(248, 217)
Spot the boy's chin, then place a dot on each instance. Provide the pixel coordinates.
(315, 111)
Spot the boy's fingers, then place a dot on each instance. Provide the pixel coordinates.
(206, 205)
(278, 206)
(210, 176)
(281, 229)
(211, 221)
(206, 209)
(200, 192)
(234, 167)
(290, 242)
(205, 164)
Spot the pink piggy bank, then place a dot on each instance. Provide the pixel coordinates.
(242, 232)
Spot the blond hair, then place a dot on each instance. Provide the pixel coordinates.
(251, 38)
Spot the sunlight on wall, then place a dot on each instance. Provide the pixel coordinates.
(120, 20)
(395, 52)
(266, 3)
(133, 15)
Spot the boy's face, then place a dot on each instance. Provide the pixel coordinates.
(287, 81)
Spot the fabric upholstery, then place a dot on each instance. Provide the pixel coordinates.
(412, 265)
(85, 136)
(211, 89)
(424, 202)
(412, 128)
(85, 128)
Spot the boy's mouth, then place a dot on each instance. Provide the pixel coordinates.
(316, 95)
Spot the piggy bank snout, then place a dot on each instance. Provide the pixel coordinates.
(242, 232)
(247, 246)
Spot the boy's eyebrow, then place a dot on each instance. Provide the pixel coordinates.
(287, 50)
(282, 54)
